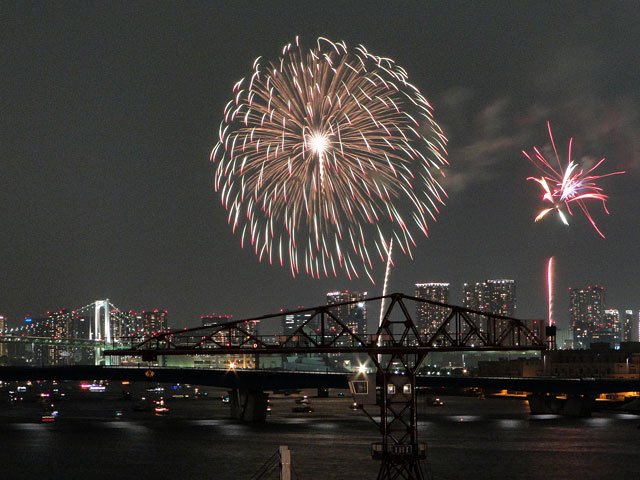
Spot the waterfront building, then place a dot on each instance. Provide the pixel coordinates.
(598, 362)
(248, 326)
(564, 339)
(429, 317)
(586, 312)
(233, 336)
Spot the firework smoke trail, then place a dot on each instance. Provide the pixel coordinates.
(323, 154)
(564, 187)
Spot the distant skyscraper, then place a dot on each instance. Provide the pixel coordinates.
(608, 330)
(492, 296)
(154, 321)
(475, 296)
(130, 324)
(248, 326)
(61, 327)
(497, 296)
(3, 327)
(429, 317)
(627, 326)
(214, 319)
(353, 315)
(586, 311)
(502, 297)
(292, 321)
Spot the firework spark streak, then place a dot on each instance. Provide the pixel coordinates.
(564, 187)
(326, 155)
(551, 321)
(386, 282)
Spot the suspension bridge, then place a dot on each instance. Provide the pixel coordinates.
(95, 326)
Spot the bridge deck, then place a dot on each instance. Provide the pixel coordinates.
(268, 380)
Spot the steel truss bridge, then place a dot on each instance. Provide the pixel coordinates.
(397, 349)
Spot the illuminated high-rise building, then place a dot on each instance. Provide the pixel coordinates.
(60, 328)
(586, 312)
(627, 326)
(502, 297)
(429, 317)
(131, 324)
(475, 296)
(3, 327)
(154, 321)
(617, 328)
(214, 319)
(354, 315)
(497, 296)
(293, 320)
(61, 323)
(248, 326)
(608, 330)
(492, 296)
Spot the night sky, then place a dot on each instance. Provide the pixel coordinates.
(109, 112)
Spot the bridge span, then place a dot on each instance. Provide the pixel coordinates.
(256, 380)
(273, 380)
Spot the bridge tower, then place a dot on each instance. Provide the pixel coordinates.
(101, 331)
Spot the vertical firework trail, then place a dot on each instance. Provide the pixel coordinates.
(551, 320)
(386, 281)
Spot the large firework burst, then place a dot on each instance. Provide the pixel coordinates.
(328, 154)
(564, 187)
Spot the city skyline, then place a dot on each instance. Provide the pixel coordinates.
(481, 296)
(111, 114)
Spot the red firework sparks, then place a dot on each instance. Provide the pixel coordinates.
(568, 186)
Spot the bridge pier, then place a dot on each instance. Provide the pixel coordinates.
(572, 405)
(248, 405)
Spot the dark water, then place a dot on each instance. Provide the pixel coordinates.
(466, 438)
